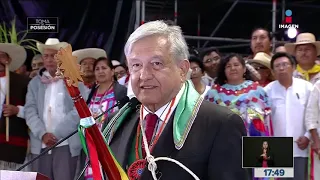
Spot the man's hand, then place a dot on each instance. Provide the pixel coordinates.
(49, 139)
(10, 110)
(33, 73)
(302, 142)
(316, 148)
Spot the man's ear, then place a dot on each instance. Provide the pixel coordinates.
(184, 67)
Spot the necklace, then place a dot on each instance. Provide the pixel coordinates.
(96, 110)
(136, 168)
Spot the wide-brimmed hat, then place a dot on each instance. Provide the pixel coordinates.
(94, 53)
(17, 54)
(51, 43)
(303, 38)
(261, 58)
(115, 63)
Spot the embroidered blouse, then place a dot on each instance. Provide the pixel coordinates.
(100, 103)
(249, 101)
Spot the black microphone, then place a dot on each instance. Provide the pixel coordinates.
(133, 103)
(120, 103)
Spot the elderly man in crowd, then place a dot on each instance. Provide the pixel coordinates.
(48, 107)
(306, 49)
(13, 150)
(288, 97)
(36, 64)
(174, 113)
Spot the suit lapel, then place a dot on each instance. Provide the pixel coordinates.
(122, 140)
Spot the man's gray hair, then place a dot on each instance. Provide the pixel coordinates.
(178, 45)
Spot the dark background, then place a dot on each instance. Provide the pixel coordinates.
(102, 24)
(281, 147)
(108, 23)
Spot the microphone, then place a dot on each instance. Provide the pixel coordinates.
(133, 103)
(120, 103)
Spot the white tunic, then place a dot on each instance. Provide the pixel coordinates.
(288, 109)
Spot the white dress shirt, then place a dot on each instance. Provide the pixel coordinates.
(205, 91)
(3, 85)
(54, 98)
(288, 109)
(313, 108)
(207, 80)
(163, 111)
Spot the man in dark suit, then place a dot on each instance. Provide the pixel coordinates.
(173, 121)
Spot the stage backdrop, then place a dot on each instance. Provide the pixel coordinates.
(83, 23)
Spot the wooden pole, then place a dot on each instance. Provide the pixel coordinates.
(7, 100)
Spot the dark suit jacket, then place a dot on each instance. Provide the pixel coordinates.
(18, 138)
(212, 150)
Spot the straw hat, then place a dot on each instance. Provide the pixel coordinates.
(303, 38)
(94, 53)
(261, 58)
(115, 63)
(17, 54)
(51, 43)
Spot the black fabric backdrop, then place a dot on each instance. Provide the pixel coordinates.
(281, 147)
(102, 24)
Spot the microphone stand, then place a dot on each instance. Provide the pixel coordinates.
(133, 103)
(60, 141)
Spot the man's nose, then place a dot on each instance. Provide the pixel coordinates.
(146, 73)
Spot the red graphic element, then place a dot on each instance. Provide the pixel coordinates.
(136, 169)
(258, 124)
(288, 20)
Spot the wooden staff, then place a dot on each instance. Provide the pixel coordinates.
(7, 100)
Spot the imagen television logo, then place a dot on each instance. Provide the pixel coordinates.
(288, 21)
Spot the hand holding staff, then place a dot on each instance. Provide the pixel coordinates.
(7, 100)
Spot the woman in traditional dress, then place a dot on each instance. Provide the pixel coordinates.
(104, 94)
(235, 90)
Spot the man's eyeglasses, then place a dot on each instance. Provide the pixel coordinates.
(121, 73)
(280, 65)
(196, 69)
(260, 67)
(210, 60)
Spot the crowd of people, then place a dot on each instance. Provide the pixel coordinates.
(209, 101)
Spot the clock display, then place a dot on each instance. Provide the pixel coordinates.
(273, 172)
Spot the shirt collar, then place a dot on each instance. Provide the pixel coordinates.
(162, 112)
(292, 85)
